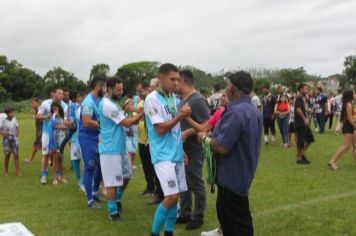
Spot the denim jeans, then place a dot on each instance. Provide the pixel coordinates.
(283, 123)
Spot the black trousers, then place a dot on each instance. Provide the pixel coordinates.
(233, 213)
(148, 170)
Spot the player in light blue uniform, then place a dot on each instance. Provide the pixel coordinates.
(115, 164)
(166, 145)
(44, 113)
(89, 139)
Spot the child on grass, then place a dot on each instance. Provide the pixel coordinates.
(57, 132)
(10, 133)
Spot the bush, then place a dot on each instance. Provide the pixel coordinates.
(22, 106)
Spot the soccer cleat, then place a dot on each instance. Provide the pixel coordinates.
(147, 192)
(333, 165)
(55, 182)
(93, 205)
(215, 232)
(43, 180)
(303, 162)
(115, 217)
(99, 198)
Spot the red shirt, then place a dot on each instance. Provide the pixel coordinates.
(282, 106)
(216, 117)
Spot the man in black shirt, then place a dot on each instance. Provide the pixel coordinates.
(303, 132)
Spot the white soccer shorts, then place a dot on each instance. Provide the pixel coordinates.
(171, 175)
(45, 144)
(115, 168)
(75, 152)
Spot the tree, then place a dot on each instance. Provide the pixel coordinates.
(99, 69)
(133, 73)
(293, 77)
(60, 78)
(349, 78)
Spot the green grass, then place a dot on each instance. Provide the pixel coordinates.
(286, 199)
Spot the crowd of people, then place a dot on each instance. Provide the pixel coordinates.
(171, 124)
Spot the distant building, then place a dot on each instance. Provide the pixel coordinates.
(330, 84)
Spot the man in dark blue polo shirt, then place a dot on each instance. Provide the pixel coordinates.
(236, 141)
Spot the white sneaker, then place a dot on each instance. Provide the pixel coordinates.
(43, 180)
(215, 232)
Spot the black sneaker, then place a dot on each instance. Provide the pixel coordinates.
(194, 224)
(147, 192)
(115, 217)
(183, 220)
(305, 159)
(168, 233)
(303, 162)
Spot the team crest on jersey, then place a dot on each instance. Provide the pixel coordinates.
(114, 114)
(153, 111)
(171, 183)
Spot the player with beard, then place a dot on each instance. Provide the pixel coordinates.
(89, 138)
(115, 164)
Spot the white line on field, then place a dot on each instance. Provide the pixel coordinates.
(304, 203)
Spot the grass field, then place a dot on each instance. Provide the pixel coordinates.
(286, 199)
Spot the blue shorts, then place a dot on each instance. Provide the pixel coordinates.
(90, 153)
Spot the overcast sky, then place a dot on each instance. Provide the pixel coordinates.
(211, 35)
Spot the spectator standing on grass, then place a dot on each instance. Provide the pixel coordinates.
(348, 129)
(10, 142)
(330, 110)
(236, 141)
(302, 126)
(268, 104)
(337, 102)
(152, 183)
(282, 110)
(194, 170)
(291, 128)
(37, 144)
(321, 109)
(131, 132)
(256, 100)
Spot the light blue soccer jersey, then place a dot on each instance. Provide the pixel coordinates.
(89, 106)
(45, 108)
(74, 138)
(159, 109)
(113, 139)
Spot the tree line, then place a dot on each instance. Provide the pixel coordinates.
(19, 83)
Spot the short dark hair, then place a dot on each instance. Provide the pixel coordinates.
(144, 84)
(266, 86)
(187, 77)
(73, 95)
(217, 87)
(65, 90)
(301, 86)
(111, 83)
(56, 89)
(166, 68)
(35, 100)
(96, 79)
(320, 89)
